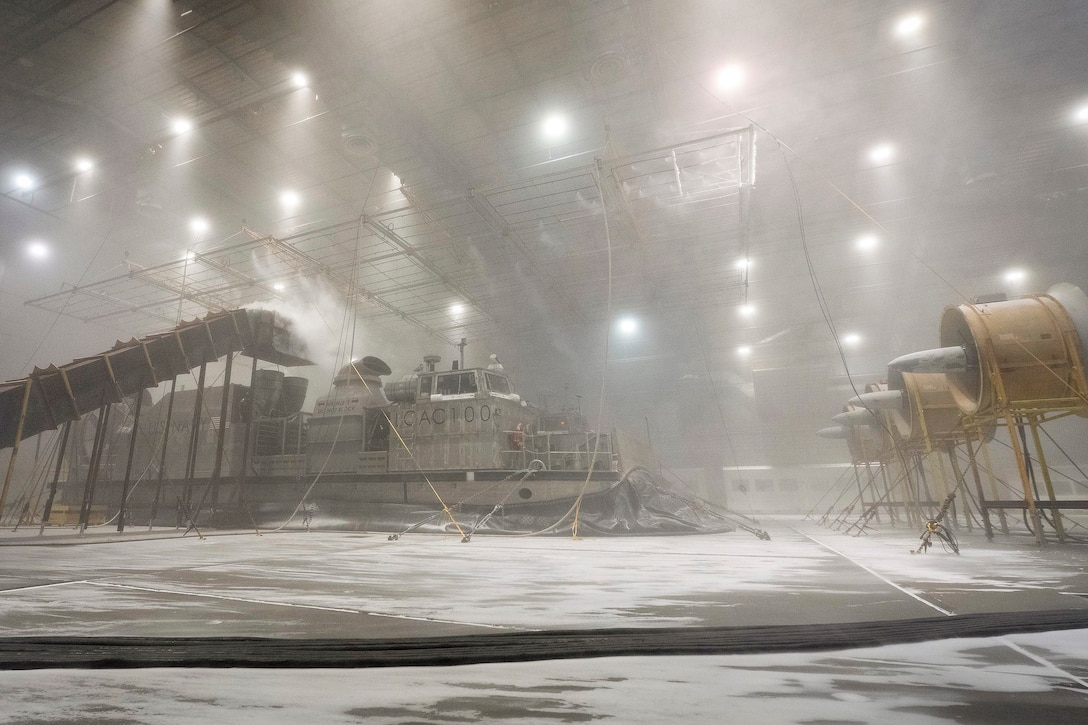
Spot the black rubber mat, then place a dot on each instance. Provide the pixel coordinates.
(133, 652)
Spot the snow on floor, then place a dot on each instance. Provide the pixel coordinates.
(308, 585)
(962, 681)
(272, 585)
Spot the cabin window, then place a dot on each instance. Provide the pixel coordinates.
(456, 383)
(497, 383)
(426, 386)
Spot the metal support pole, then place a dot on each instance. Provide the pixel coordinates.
(221, 437)
(871, 484)
(249, 412)
(224, 413)
(194, 441)
(992, 479)
(923, 486)
(960, 480)
(122, 513)
(1059, 527)
(56, 476)
(1022, 467)
(15, 448)
(973, 465)
(889, 495)
(861, 495)
(92, 470)
(906, 483)
(162, 455)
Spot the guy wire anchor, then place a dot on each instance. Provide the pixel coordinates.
(934, 528)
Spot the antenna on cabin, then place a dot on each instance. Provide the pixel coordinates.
(461, 346)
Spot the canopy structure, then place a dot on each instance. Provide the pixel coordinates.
(50, 397)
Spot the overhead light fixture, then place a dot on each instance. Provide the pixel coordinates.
(851, 339)
(37, 250)
(882, 153)
(730, 78)
(747, 310)
(867, 241)
(24, 182)
(198, 225)
(555, 126)
(628, 326)
(299, 79)
(744, 351)
(181, 125)
(1014, 276)
(278, 286)
(290, 199)
(190, 255)
(1081, 114)
(456, 308)
(909, 24)
(743, 264)
(83, 165)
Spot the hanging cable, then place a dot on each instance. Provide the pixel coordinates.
(576, 509)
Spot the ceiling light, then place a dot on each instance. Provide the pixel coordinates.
(744, 351)
(1081, 115)
(456, 308)
(37, 250)
(555, 126)
(299, 79)
(730, 78)
(909, 24)
(743, 264)
(867, 241)
(181, 125)
(882, 153)
(747, 310)
(290, 199)
(1015, 275)
(24, 182)
(190, 256)
(628, 326)
(278, 286)
(851, 338)
(83, 165)
(198, 225)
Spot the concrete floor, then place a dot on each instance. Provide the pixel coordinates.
(307, 585)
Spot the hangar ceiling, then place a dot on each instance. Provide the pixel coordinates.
(431, 193)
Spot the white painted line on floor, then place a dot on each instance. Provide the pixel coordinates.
(448, 621)
(42, 586)
(884, 579)
(245, 600)
(1045, 662)
(221, 596)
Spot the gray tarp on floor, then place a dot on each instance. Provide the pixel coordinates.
(642, 503)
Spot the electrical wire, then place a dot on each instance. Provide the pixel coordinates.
(607, 337)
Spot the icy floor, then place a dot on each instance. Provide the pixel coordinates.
(316, 584)
(356, 585)
(952, 681)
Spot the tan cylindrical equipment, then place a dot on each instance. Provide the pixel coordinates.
(867, 437)
(1031, 341)
(929, 408)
